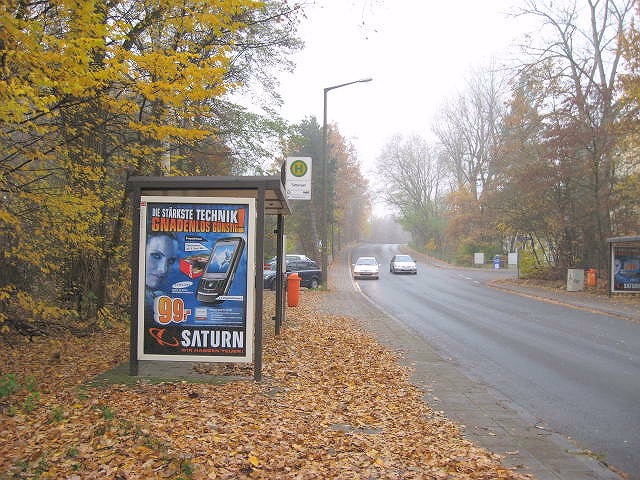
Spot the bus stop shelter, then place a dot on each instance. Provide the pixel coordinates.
(267, 193)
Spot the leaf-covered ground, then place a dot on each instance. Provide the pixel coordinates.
(334, 404)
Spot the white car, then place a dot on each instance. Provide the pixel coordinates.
(366, 267)
(403, 264)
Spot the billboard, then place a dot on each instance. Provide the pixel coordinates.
(625, 268)
(195, 283)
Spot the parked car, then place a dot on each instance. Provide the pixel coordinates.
(366, 267)
(308, 271)
(271, 263)
(403, 264)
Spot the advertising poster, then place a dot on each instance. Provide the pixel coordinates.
(195, 296)
(626, 269)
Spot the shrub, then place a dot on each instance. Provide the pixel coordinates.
(11, 392)
(466, 249)
(529, 267)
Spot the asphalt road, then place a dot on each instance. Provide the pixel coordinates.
(576, 372)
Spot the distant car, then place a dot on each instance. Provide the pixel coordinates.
(366, 267)
(271, 263)
(403, 264)
(308, 271)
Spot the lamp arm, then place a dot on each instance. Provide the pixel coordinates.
(348, 83)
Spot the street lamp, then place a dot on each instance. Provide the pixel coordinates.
(323, 225)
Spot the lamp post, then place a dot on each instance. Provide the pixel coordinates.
(324, 210)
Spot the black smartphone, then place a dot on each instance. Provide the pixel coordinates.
(220, 269)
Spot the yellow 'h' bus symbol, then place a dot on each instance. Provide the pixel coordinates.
(298, 168)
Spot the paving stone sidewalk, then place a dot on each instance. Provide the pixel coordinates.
(489, 419)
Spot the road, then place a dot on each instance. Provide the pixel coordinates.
(576, 372)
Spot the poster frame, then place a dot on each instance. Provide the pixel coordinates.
(622, 247)
(270, 197)
(249, 301)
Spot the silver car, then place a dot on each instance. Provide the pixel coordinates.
(403, 264)
(366, 267)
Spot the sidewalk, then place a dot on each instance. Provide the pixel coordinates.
(488, 419)
(627, 307)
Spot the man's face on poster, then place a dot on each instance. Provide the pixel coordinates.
(161, 255)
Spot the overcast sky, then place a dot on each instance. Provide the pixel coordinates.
(418, 53)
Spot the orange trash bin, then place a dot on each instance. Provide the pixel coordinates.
(592, 275)
(293, 290)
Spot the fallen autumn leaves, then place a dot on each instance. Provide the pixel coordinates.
(333, 404)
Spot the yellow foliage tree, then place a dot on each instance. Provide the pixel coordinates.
(626, 214)
(90, 93)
